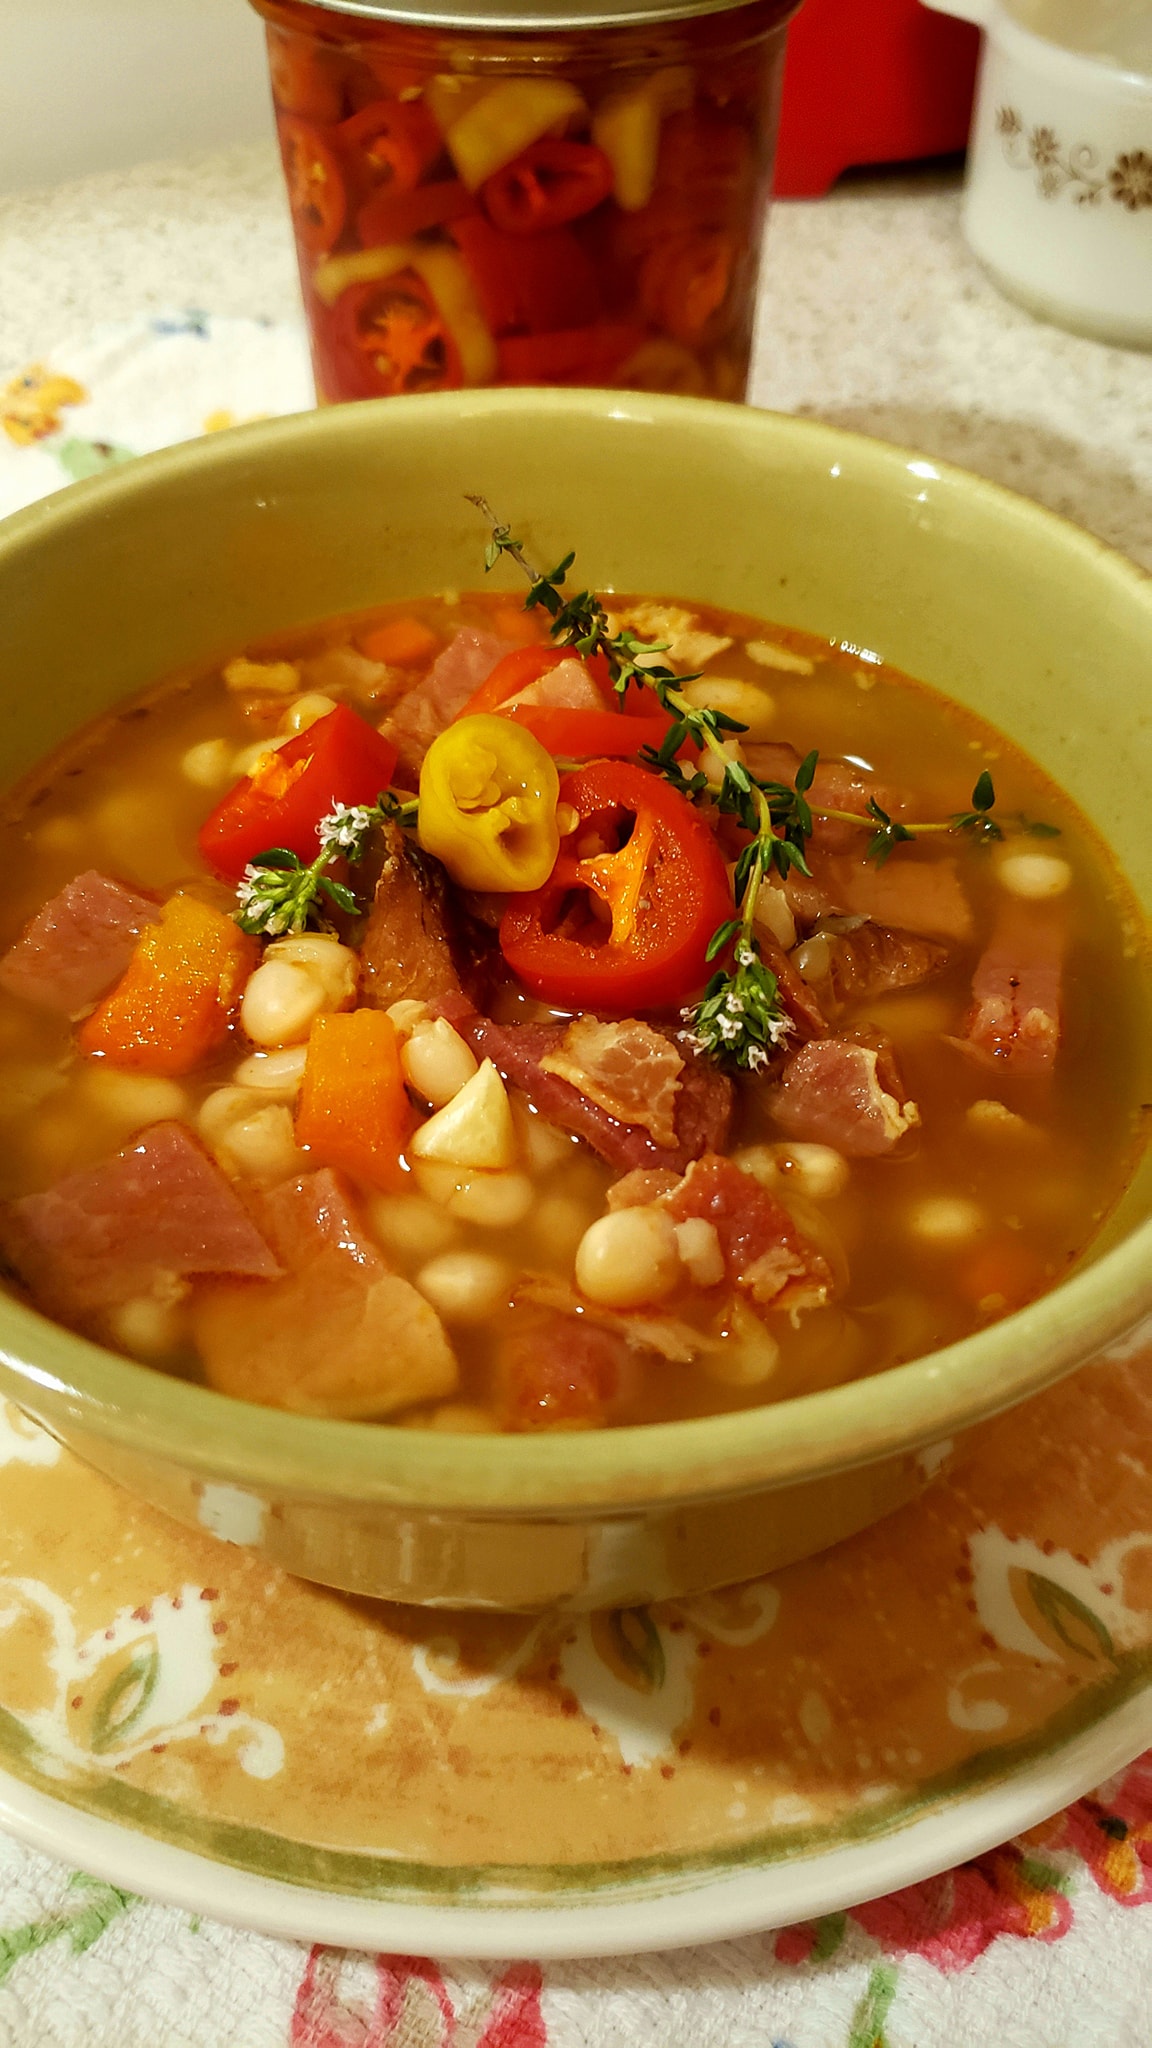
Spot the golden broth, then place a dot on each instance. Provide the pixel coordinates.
(976, 1216)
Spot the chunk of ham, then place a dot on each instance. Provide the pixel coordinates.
(79, 945)
(441, 695)
(406, 950)
(1016, 1017)
(836, 786)
(764, 1253)
(875, 960)
(340, 1335)
(567, 687)
(628, 1069)
(556, 1369)
(837, 1092)
(160, 1211)
(908, 893)
(701, 1117)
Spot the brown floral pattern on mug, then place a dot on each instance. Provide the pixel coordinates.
(1128, 179)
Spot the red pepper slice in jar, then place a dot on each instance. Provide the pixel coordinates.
(339, 760)
(393, 141)
(660, 878)
(306, 79)
(685, 281)
(587, 353)
(533, 282)
(549, 183)
(390, 338)
(317, 193)
(392, 216)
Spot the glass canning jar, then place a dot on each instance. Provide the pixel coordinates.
(484, 192)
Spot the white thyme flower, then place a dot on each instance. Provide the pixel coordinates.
(344, 828)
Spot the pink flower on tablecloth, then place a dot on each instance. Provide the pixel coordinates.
(949, 1921)
(1112, 1834)
(395, 2013)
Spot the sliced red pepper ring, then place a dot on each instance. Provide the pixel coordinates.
(589, 735)
(393, 216)
(551, 182)
(661, 879)
(316, 190)
(339, 760)
(394, 141)
(305, 77)
(393, 338)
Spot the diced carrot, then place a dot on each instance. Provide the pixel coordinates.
(1003, 1277)
(402, 643)
(175, 1000)
(354, 1113)
(512, 622)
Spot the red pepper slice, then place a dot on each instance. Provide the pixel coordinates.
(306, 78)
(588, 735)
(684, 283)
(389, 337)
(663, 878)
(393, 141)
(587, 353)
(513, 672)
(339, 760)
(394, 216)
(532, 282)
(317, 193)
(549, 183)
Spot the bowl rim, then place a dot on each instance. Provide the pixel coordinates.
(148, 1413)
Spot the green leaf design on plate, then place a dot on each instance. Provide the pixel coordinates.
(1068, 1618)
(872, 2011)
(121, 1706)
(636, 1640)
(83, 458)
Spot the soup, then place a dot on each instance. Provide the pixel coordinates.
(480, 1016)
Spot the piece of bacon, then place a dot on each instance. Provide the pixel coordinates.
(1015, 1022)
(406, 951)
(841, 1093)
(874, 960)
(341, 1334)
(800, 1001)
(159, 1210)
(704, 1098)
(631, 1070)
(764, 1252)
(440, 696)
(78, 945)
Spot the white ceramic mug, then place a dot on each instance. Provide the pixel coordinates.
(1058, 204)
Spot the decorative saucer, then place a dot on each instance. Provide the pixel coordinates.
(183, 1720)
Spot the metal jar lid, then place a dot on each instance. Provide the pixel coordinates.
(509, 17)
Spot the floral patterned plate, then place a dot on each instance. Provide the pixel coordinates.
(178, 1717)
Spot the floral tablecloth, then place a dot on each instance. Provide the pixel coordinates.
(1044, 1943)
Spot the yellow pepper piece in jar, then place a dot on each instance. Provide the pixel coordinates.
(497, 127)
(626, 126)
(488, 793)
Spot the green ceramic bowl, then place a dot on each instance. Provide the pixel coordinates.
(184, 555)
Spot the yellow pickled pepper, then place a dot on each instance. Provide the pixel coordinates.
(488, 795)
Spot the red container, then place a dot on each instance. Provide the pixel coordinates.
(871, 82)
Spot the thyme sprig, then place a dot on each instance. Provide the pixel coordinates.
(280, 894)
(740, 1018)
